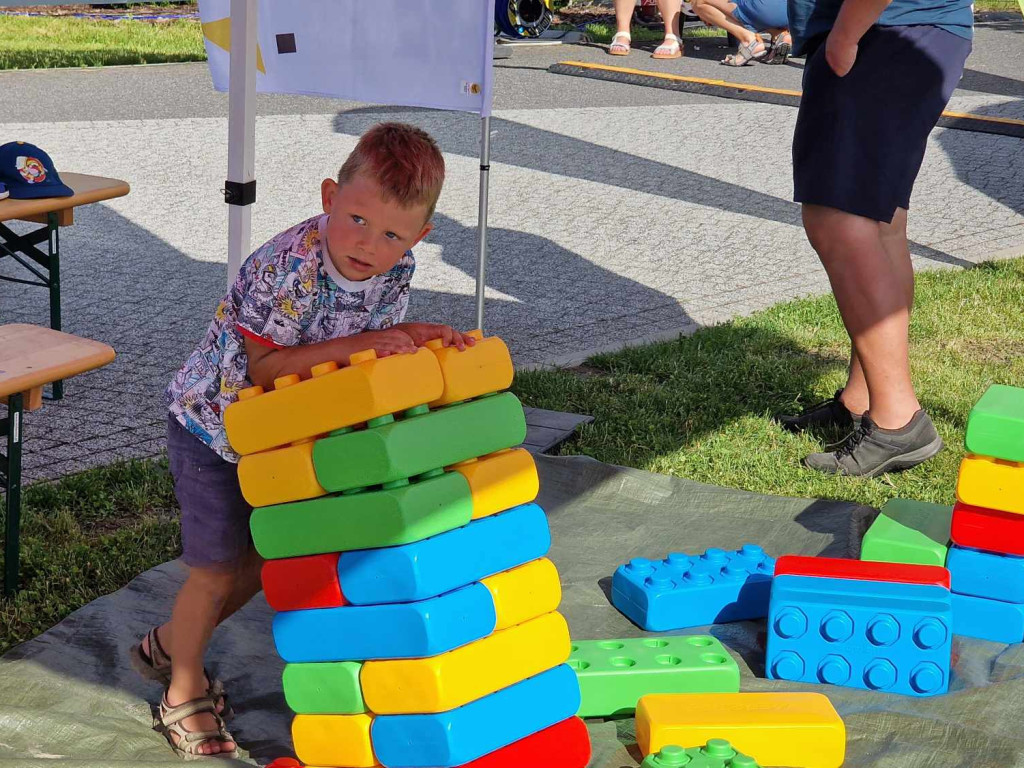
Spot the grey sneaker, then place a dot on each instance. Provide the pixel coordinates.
(871, 450)
(829, 414)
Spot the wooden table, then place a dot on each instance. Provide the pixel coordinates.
(30, 358)
(52, 213)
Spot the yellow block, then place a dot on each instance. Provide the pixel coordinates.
(334, 740)
(331, 399)
(500, 481)
(279, 476)
(524, 593)
(991, 483)
(444, 682)
(485, 367)
(800, 730)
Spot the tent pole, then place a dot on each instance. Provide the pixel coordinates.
(240, 188)
(485, 172)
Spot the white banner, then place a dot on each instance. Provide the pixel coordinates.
(421, 53)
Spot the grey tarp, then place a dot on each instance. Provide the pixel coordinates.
(69, 698)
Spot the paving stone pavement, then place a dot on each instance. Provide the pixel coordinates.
(610, 224)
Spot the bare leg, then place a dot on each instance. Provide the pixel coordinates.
(873, 301)
(624, 15)
(718, 13)
(670, 13)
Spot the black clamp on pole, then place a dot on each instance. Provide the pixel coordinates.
(239, 193)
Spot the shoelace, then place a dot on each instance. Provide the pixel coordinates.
(854, 440)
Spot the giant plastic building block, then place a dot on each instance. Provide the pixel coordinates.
(562, 745)
(439, 683)
(334, 740)
(859, 570)
(399, 631)
(694, 590)
(298, 583)
(988, 529)
(876, 635)
(419, 443)
(988, 619)
(801, 730)
(332, 399)
(319, 688)
(908, 531)
(521, 593)
(279, 475)
(400, 515)
(986, 574)
(717, 753)
(996, 424)
(500, 480)
(991, 483)
(614, 674)
(485, 367)
(444, 562)
(461, 735)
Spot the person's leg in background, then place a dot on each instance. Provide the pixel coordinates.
(672, 46)
(721, 14)
(623, 23)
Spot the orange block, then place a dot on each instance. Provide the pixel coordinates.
(478, 370)
(500, 481)
(279, 476)
(334, 740)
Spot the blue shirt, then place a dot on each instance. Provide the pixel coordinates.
(810, 18)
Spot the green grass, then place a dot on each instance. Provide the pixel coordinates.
(996, 5)
(41, 42)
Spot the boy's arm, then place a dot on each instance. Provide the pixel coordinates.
(855, 18)
(266, 363)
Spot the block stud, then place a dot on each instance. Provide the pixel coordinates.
(788, 666)
(837, 626)
(929, 633)
(323, 368)
(790, 623)
(880, 674)
(883, 630)
(834, 670)
(363, 356)
(673, 756)
(281, 382)
(249, 392)
(926, 677)
(719, 748)
(678, 560)
(640, 565)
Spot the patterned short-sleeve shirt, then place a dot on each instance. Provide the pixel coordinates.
(288, 292)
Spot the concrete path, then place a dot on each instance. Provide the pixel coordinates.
(619, 213)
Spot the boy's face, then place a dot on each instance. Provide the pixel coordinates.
(366, 234)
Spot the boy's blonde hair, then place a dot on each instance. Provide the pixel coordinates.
(403, 159)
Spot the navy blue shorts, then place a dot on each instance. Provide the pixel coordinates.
(860, 139)
(214, 514)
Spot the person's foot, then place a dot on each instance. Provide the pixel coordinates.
(620, 44)
(871, 451)
(671, 48)
(780, 49)
(830, 414)
(205, 721)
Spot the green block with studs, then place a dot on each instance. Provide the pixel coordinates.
(417, 442)
(717, 753)
(323, 688)
(995, 426)
(906, 531)
(614, 674)
(400, 513)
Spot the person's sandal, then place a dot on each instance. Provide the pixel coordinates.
(780, 49)
(168, 722)
(620, 49)
(670, 49)
(156, 666)
(746, 53)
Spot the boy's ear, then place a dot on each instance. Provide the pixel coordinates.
(426, 231)
(328, 189)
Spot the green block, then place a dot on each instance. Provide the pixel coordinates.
(419, 443)
(323, 688)
(996, 425)
(909, 532)
(367, 520)
(717, 753)
(614, 674)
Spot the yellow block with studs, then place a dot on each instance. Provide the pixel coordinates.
(331, 399)
(523, 593)
(279, 476)
(500, 481)
(334, 740)
(991, 483)
(478, 370)
(444, 682)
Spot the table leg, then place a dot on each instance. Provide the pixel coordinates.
(53, 248)
(11, 466)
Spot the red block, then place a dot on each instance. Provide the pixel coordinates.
(563, 745)
(861, 570)
(988, 529)
(295, 583)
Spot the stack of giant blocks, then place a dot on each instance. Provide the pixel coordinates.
(417, 610)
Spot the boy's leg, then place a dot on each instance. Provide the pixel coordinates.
(719, 13)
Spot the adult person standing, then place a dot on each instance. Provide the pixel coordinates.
(877, 77)
(671, 48)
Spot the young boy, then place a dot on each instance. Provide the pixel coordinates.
(323, 290)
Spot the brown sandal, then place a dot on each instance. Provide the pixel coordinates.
(156, 666)
(168, 722)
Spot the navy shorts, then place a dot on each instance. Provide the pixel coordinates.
(860, 139)
(214, 514)
(759, 15)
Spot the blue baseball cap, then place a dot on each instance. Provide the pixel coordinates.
(28, 172)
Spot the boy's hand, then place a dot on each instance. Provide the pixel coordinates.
(421, 333)
(391, 341)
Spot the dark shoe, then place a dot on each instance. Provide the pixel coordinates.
(871, 450)
(830, 414)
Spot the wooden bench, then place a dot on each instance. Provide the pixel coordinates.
(30, 358)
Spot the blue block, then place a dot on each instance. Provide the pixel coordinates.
(986, 574)
(988, 619)
(447, 561)
(400, 631)
(694, 590)
(876, 635)
(461, 735)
